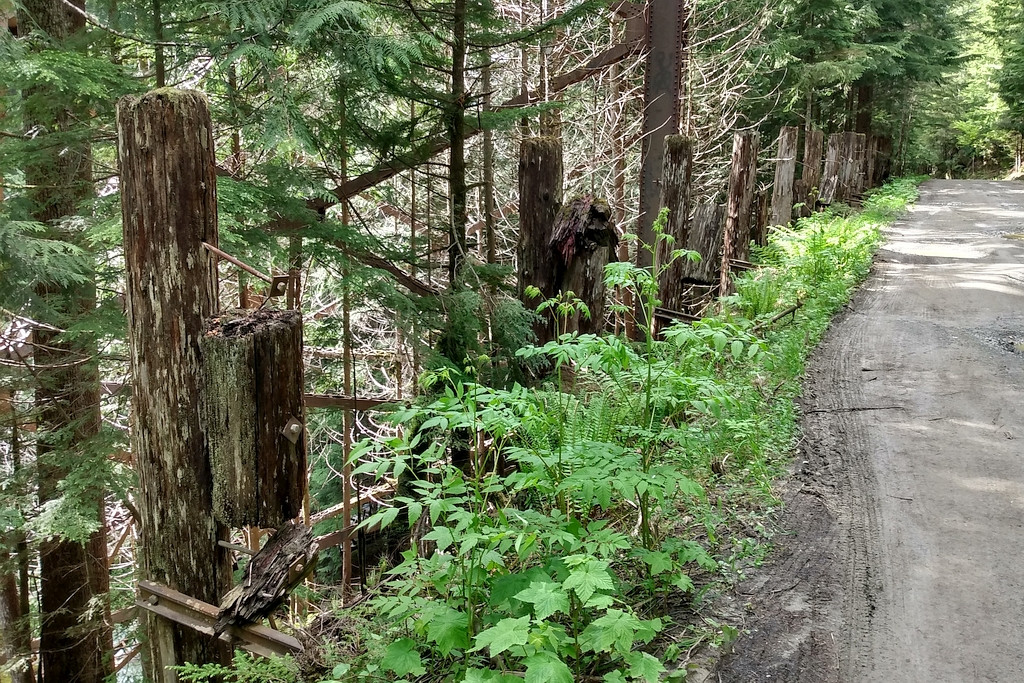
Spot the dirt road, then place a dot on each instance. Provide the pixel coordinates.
(903, 559)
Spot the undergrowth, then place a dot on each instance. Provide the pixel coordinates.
(598, 507)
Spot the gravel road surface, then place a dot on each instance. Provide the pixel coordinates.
(902, 552)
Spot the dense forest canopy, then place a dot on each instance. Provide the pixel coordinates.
(372, 147)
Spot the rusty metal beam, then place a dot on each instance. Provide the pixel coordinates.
(345, 402)
(378, 493)
(663, 76)
(201, 616)
(311, 400)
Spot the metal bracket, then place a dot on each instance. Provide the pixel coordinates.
(279, 285)
(293, 430)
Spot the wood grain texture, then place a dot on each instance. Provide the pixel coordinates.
(540, 198)
(675, 196)
(169, 207)
(742, 179)
(785, 174)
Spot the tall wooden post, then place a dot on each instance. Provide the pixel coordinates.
(675, 196)
(859, 156)
(833, 163)
(883, 162)
(847, 167)
(760, 216)
(169, 208)
(705, 238)
(583, 242)
(810, 179)
(540, 198)
(742, 177)
(785, 172)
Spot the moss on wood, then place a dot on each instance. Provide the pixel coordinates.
(252, 387)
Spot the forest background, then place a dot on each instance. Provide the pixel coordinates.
(373, 148)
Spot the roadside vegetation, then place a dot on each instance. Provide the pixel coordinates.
(601, 506)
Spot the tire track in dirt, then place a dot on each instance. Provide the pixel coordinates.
(899, 557)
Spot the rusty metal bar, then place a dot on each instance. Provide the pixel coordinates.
(345, 402)
(244, 266)
(129, 656)
(311, 400)
(201, 616)
(668, 314)
(662, 96)
(379, 492)
(245, 550)
(738, 264)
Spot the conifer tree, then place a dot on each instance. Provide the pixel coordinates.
(1008, 18)
(75, 638)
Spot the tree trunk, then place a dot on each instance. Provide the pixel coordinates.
(625, 322)
(15, 634)
(455, 121)
(865, 107)
(742, 177)
(785, 172)
(75, 635)
(15, 645)
(675, 196)
(540, 198)
(169, 207)
(488, 173)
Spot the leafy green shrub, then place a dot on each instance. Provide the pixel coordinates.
(591, 499)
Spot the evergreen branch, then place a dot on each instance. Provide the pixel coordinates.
(94, 21)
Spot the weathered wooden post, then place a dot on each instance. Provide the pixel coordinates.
(785, 173)
(809, 185)
(540, 198)
(675, 196)
(742, 177)
(583, 242)
(700, 279)
(252, 410)
(760, 216)
(833, 163)
(859, 158)
(169, 208)
(847, 167)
